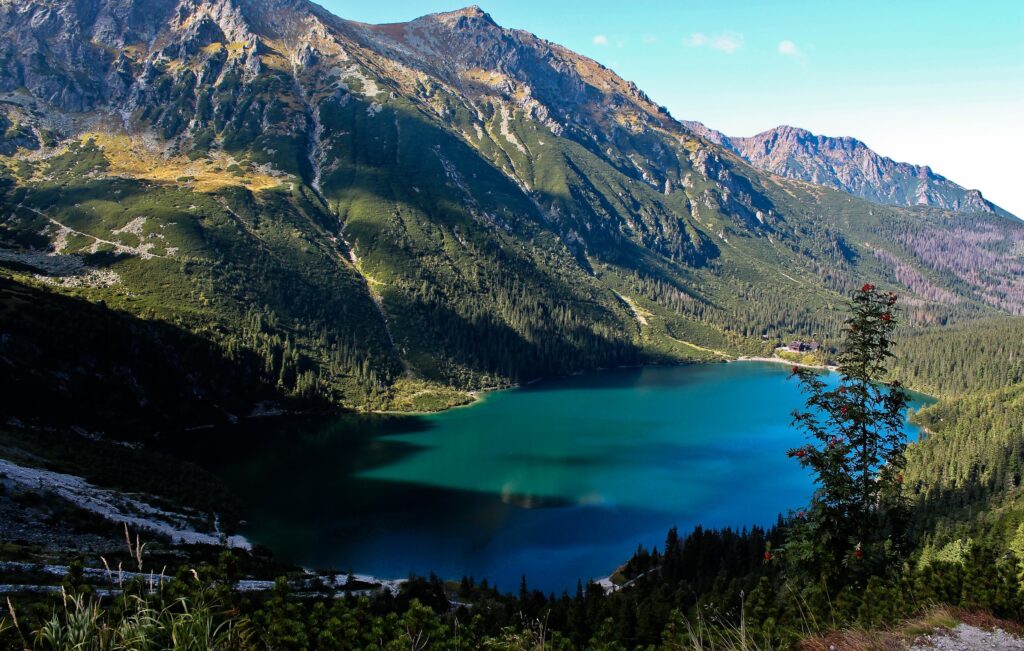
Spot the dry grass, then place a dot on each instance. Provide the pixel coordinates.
(854, 640)
(133, 157)
(691, 146)
(490, 78)
(718, 636)
(136, 51)
(903, 636)
(234, 48)
(987, 621)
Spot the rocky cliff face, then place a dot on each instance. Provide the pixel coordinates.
(848, 164)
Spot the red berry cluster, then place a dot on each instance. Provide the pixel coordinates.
(799, 453)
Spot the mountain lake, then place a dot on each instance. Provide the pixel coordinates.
(558, 480)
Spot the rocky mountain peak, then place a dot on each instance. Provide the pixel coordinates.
(212, 21)
(467, 17)
(471, 52)
(847, 164)
(80, 55)
(787, 131)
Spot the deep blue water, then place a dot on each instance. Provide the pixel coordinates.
(558, 481)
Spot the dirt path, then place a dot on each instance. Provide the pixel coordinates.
(108, 581)
(721, 354)
(969, 638)
(634, 308)
(142, 250)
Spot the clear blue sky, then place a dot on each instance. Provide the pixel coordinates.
(938, 83)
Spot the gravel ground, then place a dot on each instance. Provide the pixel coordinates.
(970, 638)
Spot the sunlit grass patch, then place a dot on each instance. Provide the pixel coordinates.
(133, 157)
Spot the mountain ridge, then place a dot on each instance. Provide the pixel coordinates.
(383, 214)
(848, 164)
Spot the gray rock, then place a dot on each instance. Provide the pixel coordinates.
(970, 638)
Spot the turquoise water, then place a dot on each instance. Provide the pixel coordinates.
(557, 481)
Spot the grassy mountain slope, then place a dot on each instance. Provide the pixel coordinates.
(388, 215)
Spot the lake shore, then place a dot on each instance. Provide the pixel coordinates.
(779, 360)
(476, 396)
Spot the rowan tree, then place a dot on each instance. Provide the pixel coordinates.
(856, 522)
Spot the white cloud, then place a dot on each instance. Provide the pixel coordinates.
(601, 39)
(788, 48)
(695, 39)
(727, 42)
(649, 39)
